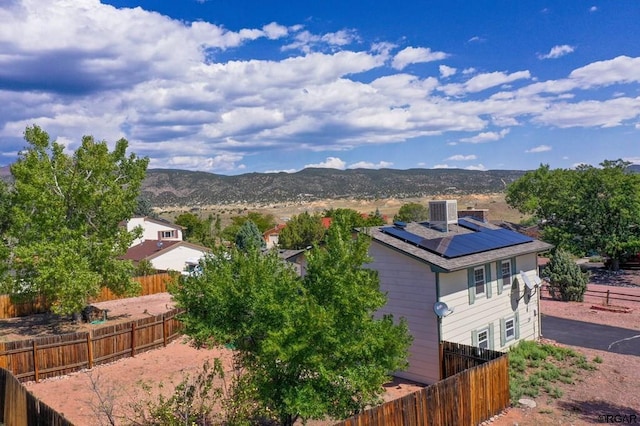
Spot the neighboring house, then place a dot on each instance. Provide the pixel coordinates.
(272, 235)
(161, 244)
(296, 258)
(471, 272)
(179, 256)
(154, 229)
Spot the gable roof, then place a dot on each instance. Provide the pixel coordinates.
(433, 245)
(150, 249)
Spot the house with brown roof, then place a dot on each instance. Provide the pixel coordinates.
(161, 244)
(456, 279)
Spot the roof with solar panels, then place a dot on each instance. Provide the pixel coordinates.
(451, 243)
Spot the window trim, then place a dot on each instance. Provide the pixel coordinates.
(510, 272)
(475, 336)
(484, 281)
(504, 339)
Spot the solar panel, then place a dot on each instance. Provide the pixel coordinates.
(457, 245)
(470, 225)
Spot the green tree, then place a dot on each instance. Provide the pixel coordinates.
(586, 210)
(262, 221)
(144, 208)
(311, 346)
(302, 231)
(249, 237)
(197, 230)
(566, 280)
(65, 235)
(412, 212)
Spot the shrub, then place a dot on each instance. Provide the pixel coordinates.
(567, 282)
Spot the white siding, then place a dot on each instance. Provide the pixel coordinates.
(151, 229)
(458, 326)
(176, 258)
(411, 292)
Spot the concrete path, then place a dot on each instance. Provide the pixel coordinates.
(588, 335)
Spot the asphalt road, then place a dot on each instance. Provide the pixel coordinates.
(588, 335)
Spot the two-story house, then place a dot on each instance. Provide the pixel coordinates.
(459, 280)
(161, 244)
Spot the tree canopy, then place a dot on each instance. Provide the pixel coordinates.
(412, 212)
(262, 221)
(249, 237)
(584, 210)
(311, 346)
(302, 231)
(64, 232)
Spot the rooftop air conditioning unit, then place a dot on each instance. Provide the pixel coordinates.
(443, 213)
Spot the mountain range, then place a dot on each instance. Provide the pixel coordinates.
(171, 187)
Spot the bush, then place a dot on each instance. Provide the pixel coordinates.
(567, 282)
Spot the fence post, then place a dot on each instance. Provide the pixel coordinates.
(90, 350)
(164, 330)
(607, 297)
(35, 360)
(133, 339)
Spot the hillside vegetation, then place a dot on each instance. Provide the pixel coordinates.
(166, 188)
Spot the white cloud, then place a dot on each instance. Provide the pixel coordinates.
(462, 157)
(593, 9)
(329, 163)
(487, 137)
(369, 165)
(485, 81)
(539, 148)
(632, 160)
(557, 52)
(308, 42)
(446, 71)
(414, 55)
(442, 166)
(621, 69)
(274, 31)
(476, 39)
(608, 113)
(479, 167)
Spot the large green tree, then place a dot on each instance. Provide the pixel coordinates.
(64, 234)
(584, 210)
(261, 220)
(302, 231)
(412, 212)
(310, 346)
(249, 237)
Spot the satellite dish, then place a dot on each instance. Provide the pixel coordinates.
(441, 309)
(530, 283)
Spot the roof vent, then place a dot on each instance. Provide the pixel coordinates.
(399, 225)
(443, 213)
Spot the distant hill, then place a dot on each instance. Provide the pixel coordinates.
(168, 187)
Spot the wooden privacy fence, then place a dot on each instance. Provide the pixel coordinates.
(607, 295)
(18, 406)
(150, 284)
(475, 388)
(51, 356)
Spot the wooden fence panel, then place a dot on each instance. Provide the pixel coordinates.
(18, 407)
(149, 284)
(50, 356)
(476, 388)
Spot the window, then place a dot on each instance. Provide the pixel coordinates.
(505, 269)
(509, 329)
(478, 280)
(483, 338)
(167, 234)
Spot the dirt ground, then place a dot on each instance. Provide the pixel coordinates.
(611, 389)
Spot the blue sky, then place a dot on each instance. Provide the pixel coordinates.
(254, 86)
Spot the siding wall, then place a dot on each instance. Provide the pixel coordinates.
(150, 230)
(176, 258)
(458, 326)
(411, 292)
